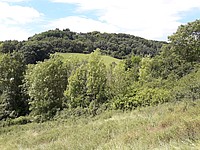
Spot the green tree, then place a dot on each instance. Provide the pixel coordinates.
(133, 64)
(77, 90)
(188, 87)
(96, 78)
(87, 84)
(10, 46)
(12, 98)
(178, 58)
(186, 41)
(34, 51)
(145, 94)
(119, 80)
(46, 83)
(169, 64)
(145, 70)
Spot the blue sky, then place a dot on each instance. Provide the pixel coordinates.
(151, 19)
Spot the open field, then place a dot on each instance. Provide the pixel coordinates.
(167, 126)
(106, 59)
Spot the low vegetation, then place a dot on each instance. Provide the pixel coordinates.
(167, 126)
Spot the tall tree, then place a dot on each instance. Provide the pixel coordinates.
(96, 78)
(87, 84)
(46, 82)
(186, 41)
(12, 98)
(77, 89)
(34, 51)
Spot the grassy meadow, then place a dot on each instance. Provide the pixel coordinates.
(167, 126)
(106, 59)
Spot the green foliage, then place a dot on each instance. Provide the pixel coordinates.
(10, 46)
(179, 57)
(40, 46)
(133, 64)
(152, 96)
(87, 84)
(141, 97)
(16, 121)
(168, 63)
(188, 87)
(186, 41)
(176, 62)
(34, 51)
(119, 81)
(46, 83)
(117, 45)
(145, 70)
(96, 78)
(77, 90)
(12, 99)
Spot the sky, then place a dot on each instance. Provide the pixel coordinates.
(150, 19)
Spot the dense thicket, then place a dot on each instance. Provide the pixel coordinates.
(39, 46)
(89, 86)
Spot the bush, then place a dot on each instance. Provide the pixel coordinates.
(188, 87)
(142, 97)
(21, 120)
(17, 121)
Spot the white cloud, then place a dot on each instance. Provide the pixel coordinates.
(17, 14)
(15, 1)
(14, 20)
(153, 19)
(81, 24)
(13, 33)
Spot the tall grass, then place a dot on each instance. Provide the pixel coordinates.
(167, 126)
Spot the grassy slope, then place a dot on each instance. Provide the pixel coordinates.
(106, 59)
(168, 126)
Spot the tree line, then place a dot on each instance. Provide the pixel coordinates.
(52, 86)
(40, 46)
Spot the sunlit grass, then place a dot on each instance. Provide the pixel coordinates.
(106, 59)
(167, 126)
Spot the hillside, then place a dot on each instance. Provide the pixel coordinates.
(167, 126)
(106, 59)
(39, 46)
(116, 45)
(143, 102)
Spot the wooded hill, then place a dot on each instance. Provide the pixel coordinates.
(39, 46)
(77, 87)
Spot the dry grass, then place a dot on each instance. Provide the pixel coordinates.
(168, 126)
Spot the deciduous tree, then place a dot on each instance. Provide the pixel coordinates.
(46, 82)
(12, 99)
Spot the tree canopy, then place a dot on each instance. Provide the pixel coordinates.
(40, 46)
(186, 41)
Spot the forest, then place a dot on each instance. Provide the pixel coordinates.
(40, 46)
(37, 84)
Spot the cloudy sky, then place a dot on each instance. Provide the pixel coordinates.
(151, 19)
